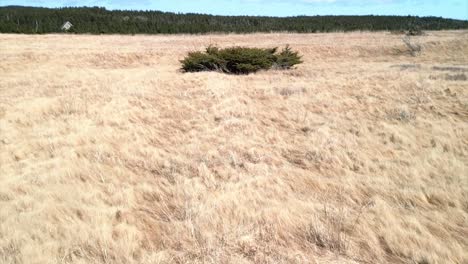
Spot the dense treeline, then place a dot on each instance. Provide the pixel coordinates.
(96, 20)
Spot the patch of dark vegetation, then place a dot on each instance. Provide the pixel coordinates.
(456, 77)
(450, 68)
(397, 32)
(402, 114)
(407, 66)
(240, 60)
(424, 260)
(414, 29)
(288, 91)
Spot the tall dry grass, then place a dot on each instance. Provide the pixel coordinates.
(109, 154)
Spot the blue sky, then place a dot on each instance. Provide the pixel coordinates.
(445, 8)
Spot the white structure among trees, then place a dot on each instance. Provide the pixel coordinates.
(66, 26)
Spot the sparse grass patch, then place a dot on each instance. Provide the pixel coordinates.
(414, 48)
(402, 114)
(332, 228)
(329, 232)
(240, 60)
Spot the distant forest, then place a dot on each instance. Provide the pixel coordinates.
(97, 20)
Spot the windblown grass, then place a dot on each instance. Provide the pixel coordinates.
(110, 154)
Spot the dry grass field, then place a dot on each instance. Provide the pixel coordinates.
(110, 154)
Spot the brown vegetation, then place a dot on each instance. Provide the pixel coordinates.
(110, 154)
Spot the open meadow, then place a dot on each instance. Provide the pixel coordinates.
(110, 154)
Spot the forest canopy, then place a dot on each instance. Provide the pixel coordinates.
(98, 20)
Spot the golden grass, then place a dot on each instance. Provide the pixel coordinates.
(109, 154)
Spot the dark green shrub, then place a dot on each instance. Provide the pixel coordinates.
(287, 58)
(199, 61)
(239, 60)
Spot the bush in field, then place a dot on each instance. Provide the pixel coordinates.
(240, 60)
(414, 29)
(287, 58)
(414, 48)
(199, 61)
